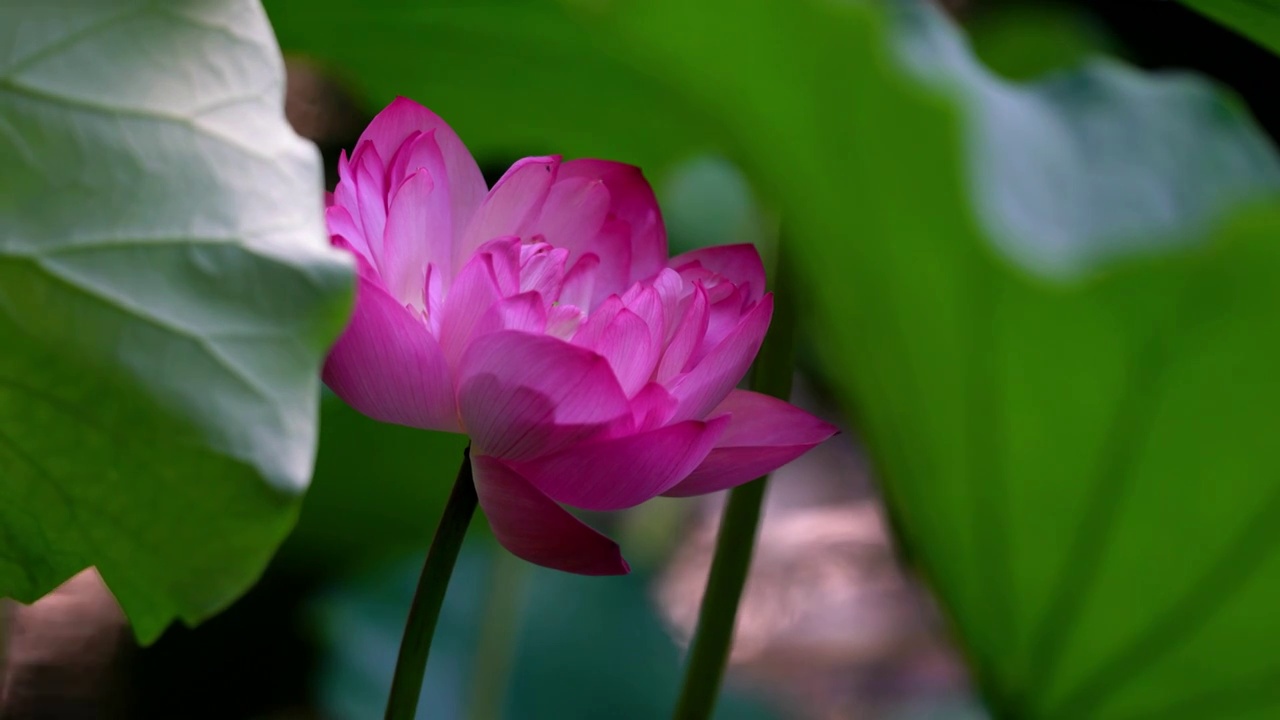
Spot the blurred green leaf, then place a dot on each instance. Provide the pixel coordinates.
(706, 201)
(1092, 165)
(1024, 40)
(378, 491)
(1258, 20)
(513, 77)
(583, 647)
(1062, 358)
(166, 294)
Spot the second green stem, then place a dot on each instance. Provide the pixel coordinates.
(709, 653)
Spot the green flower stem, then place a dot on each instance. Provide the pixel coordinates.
(771, 375)
(406, 685)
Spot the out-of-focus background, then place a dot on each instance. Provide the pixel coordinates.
(832, 625)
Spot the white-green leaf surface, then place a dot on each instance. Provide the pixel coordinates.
(166, 296)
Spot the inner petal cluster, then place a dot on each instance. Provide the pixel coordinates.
(651, 333)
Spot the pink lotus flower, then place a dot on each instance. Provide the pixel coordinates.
(543, 318)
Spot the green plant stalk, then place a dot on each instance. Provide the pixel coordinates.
(415, 647)
(771, 374)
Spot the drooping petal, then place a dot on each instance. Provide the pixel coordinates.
(522, 395)
(388, 366)
(739, 264)
(704, 386)
(632, 202)
(533, 527)
(764, 433)
(401, 119)
(623, 472)
(513, 204)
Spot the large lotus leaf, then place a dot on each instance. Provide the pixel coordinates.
(1060, 350)
(1256, 19)
(513, 77)
(166, 294)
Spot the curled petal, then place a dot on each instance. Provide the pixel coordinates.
(623, 472)
(388, 366)
(534, 528)
(522, 395)
(764, 433)
(573, 213)
(513, 204)
(739, 264)
(631, 201)
(704, 386)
